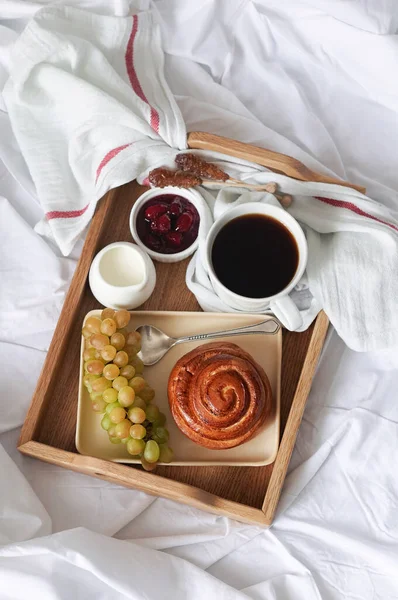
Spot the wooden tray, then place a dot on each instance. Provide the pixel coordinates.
(249, 494)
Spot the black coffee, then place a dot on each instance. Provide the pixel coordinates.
(255, 256)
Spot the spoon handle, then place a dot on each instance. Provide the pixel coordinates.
(270, 327)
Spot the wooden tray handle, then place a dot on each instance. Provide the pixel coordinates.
(280, 163)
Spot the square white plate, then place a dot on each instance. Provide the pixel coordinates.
(92, 440)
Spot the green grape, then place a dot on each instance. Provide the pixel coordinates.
(133, 341)
(160, 435)
(135, 447)
(101, 384)
(99, 406)
(126, 396)
(114, 440)
(128, 371)
(137, 383)
(89, 378)
(93, 324)
(122, 318)
(86, 333)
(147, 394)
(119, 383)
(129, 411)
(87, 344)
(108, 353)
(152, 412)
(94, 367)
(134, 348)
(136, 415)
(108, 327)
(138, 432)
(107, 313)
(122, 429)
(151, 452)
(96, 396)
(131, 353)
(111, 430)
(111, 371)
(160, 421)
(166, 454)
(137, 364)
(133, 338)
(117, 414)
(146, 465)
(139, 403)
(118, 340)
(110, 395)
(125, 440)
(106, 422)
(90, 354)
(121, 359)
(111, 406)
(99, 341)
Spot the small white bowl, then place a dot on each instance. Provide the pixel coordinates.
(191, 195)
(122, 276)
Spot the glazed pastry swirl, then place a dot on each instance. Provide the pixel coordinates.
(218, 395)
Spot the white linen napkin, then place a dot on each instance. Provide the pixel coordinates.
(352, 270)
(91, 110)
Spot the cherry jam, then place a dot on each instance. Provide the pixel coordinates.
(168, 224)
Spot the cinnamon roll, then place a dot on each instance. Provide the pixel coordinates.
(218, 395)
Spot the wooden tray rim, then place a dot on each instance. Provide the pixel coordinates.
(157, 485)
(150, 482)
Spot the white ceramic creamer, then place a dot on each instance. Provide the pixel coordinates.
(122, 275)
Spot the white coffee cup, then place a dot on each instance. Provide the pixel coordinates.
(280, 304)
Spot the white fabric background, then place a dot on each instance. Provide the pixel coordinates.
(311, 79)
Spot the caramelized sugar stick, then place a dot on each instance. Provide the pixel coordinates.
(194, 164)
(163, 177)
(186, 180)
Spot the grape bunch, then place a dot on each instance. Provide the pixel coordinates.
(113, 377)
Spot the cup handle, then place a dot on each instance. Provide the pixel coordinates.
(287, 312)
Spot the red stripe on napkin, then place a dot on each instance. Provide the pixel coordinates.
(135, 84)
(66, 214)
(154, 122)
(111, 154)
(350, 206)
(70, 214)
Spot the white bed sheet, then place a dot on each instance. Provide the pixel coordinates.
(312, 79)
